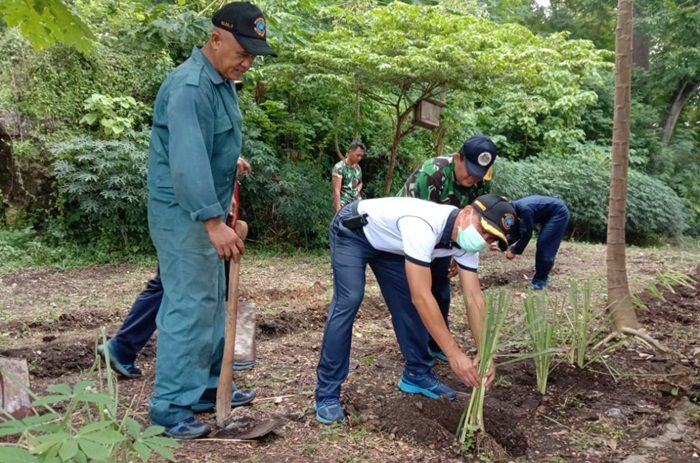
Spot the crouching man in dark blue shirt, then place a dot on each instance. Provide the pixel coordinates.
(553, 216)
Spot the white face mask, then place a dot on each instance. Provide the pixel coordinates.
(469, 239)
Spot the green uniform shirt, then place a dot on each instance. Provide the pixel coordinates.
(195, 144)
(435, 181)
(351, 179)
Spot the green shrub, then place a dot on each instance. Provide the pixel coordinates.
(52, 85)
(115, 115)
(653, 209)
(285, 202)
(102, 189)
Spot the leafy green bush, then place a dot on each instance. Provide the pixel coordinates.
(653, 209)
(102, 189)
(52, 85)
(285, 202)
(115, 115)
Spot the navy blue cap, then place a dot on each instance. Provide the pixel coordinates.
(247, 24)
(478, 153)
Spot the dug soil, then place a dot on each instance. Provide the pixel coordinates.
(635, 405)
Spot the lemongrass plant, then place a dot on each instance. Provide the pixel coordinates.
(472, 419)
(586, 329)
(542, 321)
(580, 322)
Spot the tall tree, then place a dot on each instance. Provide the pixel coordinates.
(395, 55)
(619, 298)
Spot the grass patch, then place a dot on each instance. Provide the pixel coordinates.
(25, 249)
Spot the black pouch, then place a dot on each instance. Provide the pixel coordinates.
(354, 222)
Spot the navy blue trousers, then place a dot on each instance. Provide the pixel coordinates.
(350, 255)
(441, 291)
(140, 323)
(548, 241)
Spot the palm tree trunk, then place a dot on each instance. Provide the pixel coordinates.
(619, 300)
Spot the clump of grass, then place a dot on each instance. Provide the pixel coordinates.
(585, 329)
(580, 322)
(472, 419)
(542, 323)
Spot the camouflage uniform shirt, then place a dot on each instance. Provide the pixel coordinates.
(350, 181)
(435, 181)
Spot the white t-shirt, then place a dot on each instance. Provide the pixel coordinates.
(418, 229)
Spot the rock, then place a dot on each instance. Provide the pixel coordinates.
(615, 413)
(419, 405)
(636, 459)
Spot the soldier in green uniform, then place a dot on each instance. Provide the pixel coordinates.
(456, 180)
(347, 177)
(195, 145)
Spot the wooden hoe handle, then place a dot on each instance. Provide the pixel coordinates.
(225, 386)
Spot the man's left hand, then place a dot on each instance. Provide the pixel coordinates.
(452, 271)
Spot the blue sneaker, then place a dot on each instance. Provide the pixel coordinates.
(329, 411)
(439, 355)
(189, 428)
(538, 286)
(127, 370)
(208, 400)
(427, 385)
(247, 365)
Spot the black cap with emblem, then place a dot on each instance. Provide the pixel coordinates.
(478, 153)
(498, 217)
(247, 24)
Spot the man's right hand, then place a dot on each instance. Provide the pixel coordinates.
(465, 369)
(227, 243)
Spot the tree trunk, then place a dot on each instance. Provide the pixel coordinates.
(358, 118)
(393, 155)
(439, 144)
(679, 99)
(619, 299)
(396, 143)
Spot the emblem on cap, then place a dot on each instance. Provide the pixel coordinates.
(507, 221)
(259, 26)
(484, 158)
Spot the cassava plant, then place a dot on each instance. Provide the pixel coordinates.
(80, 424)
(472, 419)
(542, 322)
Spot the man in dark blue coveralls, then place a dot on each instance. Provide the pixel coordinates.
(553, 217)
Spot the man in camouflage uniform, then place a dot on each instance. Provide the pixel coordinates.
(456, 180)
(347, 177)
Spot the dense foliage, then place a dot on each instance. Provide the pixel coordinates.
(582, 180)
(539, 82)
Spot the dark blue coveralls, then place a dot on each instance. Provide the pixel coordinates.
(553, 216)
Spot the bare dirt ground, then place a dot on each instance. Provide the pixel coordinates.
(648, 412)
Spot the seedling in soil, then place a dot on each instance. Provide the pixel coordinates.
(668, 278)
(472, 420)
(541, 323)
